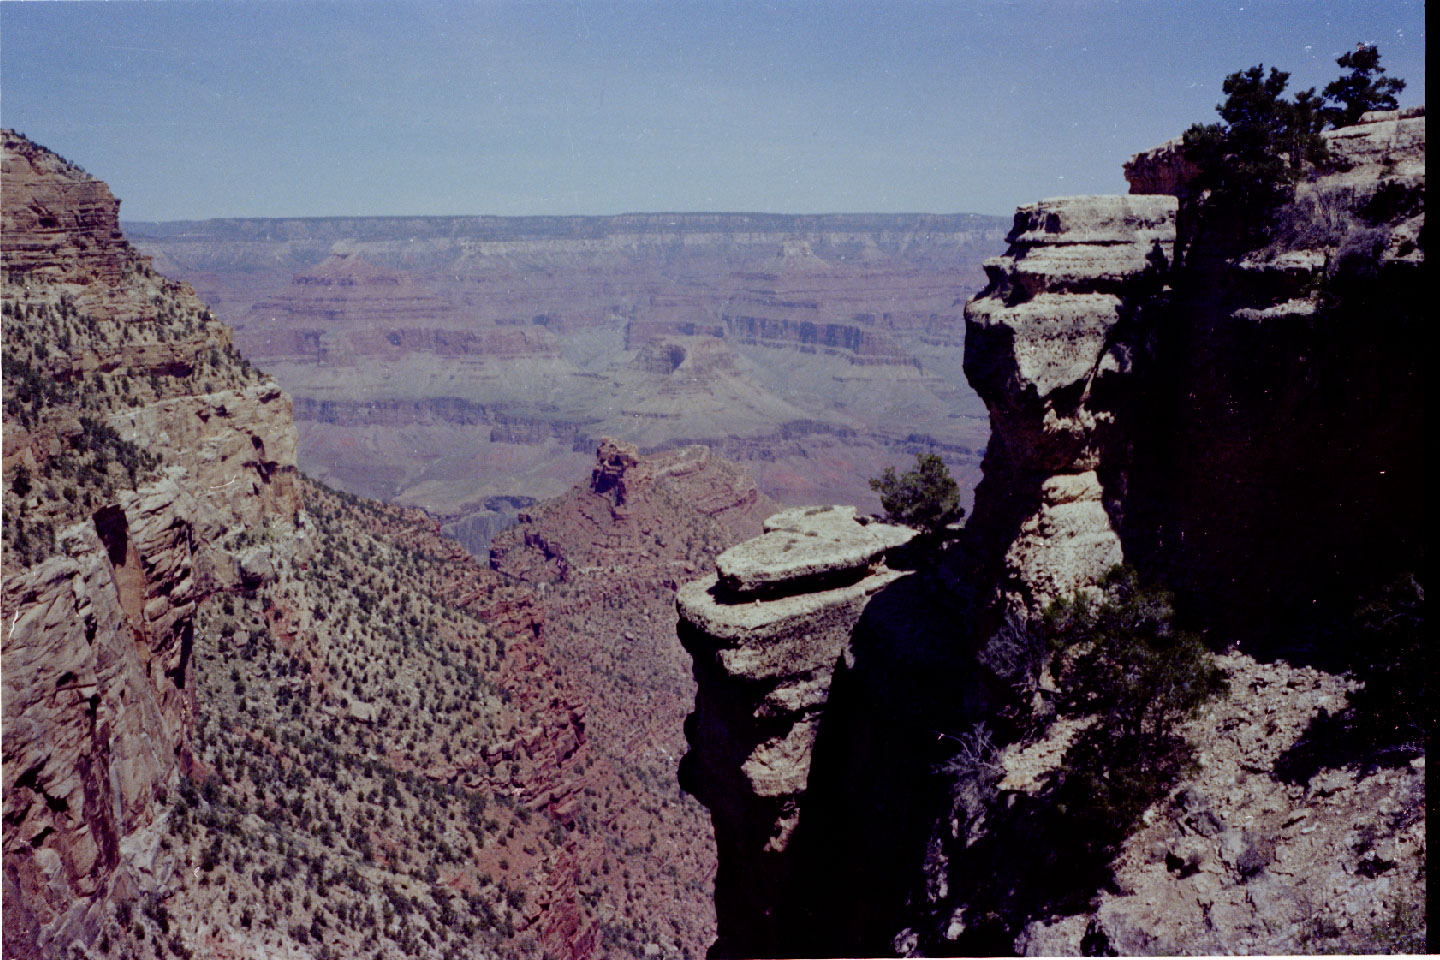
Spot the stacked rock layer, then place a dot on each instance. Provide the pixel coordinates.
(1049, 345)
(767, 634)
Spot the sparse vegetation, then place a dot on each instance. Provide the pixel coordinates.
(1364, 88)
(926, 498)
(1122, 660)
(70, 366)
(1250, 161)
(1125, 677)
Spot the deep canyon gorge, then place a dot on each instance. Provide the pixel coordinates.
(469, 365)
(484, 587)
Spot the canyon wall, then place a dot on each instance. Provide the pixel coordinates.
(1051, 345)
(1243, 429)
(103, 574)
(397, 336)
(249, 715)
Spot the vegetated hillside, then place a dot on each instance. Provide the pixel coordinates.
(135, 438)
(470, 365)
(246, 714)
(391, 722)
(608, 557)
(1025, 745)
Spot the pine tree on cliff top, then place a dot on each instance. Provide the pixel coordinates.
(1250, 161)
(1364, 88)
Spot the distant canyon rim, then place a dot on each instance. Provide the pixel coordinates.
(470, 365)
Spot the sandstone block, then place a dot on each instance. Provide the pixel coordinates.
(806, 543)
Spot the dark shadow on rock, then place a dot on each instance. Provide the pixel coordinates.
(1348, 738)
(1276, 464)
(1042, 855)
(872, 799)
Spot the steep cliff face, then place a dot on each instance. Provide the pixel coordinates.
(799, 641)
(767, 633)
(135, 438)
(1243, 429)
(1277, 468)
(61, 224)
(1050, 346)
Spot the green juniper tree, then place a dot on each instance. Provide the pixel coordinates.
(1363, 88)
(1250, 161)
(926, 498)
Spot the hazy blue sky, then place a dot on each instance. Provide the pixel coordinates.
(203, 109)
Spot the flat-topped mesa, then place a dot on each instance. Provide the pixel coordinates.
(767, 635)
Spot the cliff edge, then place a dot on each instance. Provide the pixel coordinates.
(1244, 429)
(136, 440)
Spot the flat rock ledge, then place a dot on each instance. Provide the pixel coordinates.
(766, 636)
(802, 549)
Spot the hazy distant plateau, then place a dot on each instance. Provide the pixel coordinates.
(469, 364)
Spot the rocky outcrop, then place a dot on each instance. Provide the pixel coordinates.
(1241, 428)
(1161, 170)
(767, 635)
(1173, 418)
(1275, 471)
(1194, 438)
(69, 228)
(1050, 344)
(93, 723)
(100, 622)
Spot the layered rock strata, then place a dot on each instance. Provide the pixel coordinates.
(1241, 427)
(1050, 345)
(1172, 415)
(398, 336)
(767, 634)
(103, 361)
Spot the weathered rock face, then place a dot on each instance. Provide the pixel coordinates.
(1195, 436)
(1050, 345)
(100, 614)
(1177, 420)
(1275, 467)
(69, 230)
(767, 635)
(1242, 429)
(1241, 862)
